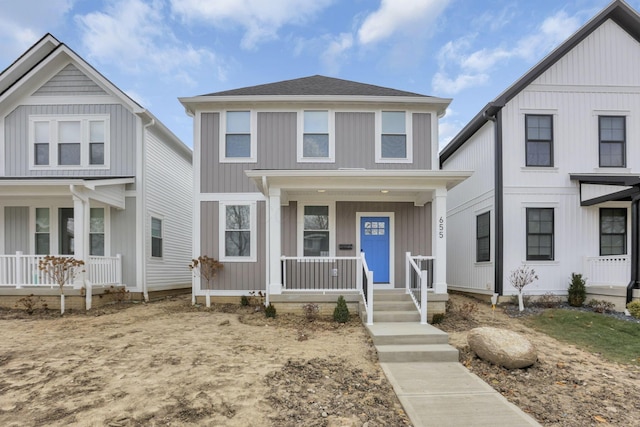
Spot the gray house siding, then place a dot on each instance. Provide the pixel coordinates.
(422, 140)
(289, 231)
(69, 81)
(122, 140)
(235, 276)
(16, 229)
(123, 239)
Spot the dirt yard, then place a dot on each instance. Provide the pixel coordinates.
(168, 363)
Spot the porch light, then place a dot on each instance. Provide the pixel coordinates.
(321, 191)
(384, 191)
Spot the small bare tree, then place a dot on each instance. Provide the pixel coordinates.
(521, 277)
(61, 270)
(206, 268)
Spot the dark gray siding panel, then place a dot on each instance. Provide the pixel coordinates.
(69, 81)
(412, 229)
(16, 229)
(289, 229)
(422, 140)
(209, 167)
(122, 138)
(355, 140)
(276, 140)
(236, 276)
(123, 239)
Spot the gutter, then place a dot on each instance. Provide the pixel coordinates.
(143, 195)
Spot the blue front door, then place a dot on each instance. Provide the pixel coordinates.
(374, 242)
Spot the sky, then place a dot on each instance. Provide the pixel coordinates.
(159, 50)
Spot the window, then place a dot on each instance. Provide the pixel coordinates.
(316, 231)
(69, 142)
(612, 141)
(539, 234)
(238, 139)
(43, 229)
(156, 237)
(393, 137)
(613, 231)
(483, 228)
(539, 136)
(315, 136)
(96, 232)
(238, 225)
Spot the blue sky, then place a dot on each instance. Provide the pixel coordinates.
(159, 50)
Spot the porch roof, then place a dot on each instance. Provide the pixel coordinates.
(600, 188)
(405, 185)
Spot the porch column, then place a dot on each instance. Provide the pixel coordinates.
(80, 232)
(439, 239)
(275, 246)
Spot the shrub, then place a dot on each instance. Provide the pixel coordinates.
(437, 318)
(244, 301)
(601, 306)
(30, 302)
(520, 278)
(634, 308)
(548, 300)
(62, 271)
(341, 312)
(466, 310)
(311, 311)
(577, 292)
(270, 311)
(206, 268)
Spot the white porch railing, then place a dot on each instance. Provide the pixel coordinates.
(608, 270)
(22, 270)
(418, 281)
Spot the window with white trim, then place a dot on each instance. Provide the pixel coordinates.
(156, 237)
(69, 142)
(43, 232)
(613, 231)
(483, 237)
(238, 139)
(539, 139)
(316, 231)
(540, 234)
(393, 137)
(96, 231)
(238, 231)
(316, 141)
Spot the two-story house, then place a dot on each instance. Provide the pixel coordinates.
(557, 171)
(295, 179)
(85, 171)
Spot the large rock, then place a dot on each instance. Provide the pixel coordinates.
(502, 347)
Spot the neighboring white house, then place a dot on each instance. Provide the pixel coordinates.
(86, 171)
(557, 171)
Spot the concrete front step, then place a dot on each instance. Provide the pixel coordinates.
(390, 295)
(395, 316)
(417, 353)
(395, 333)
(394, 306)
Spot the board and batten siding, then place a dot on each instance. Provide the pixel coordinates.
(289, 230)
(69, 81)
(16, 229)
(277, 148)
(234, 276)
(123, 240)
(123, 125)
(169, 196)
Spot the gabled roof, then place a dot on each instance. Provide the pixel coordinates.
(315, 85)
(618, 11)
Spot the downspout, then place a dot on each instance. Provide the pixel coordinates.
(143, 194)
(635, 246)
(499, 201)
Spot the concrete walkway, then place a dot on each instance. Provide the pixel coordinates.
(447, 394)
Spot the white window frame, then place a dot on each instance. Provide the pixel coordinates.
(153, 216)
(253, 230)
(332, 225)
(408, 117)
(84, 140)
(331, 158)
(105, 212)
(253, 130)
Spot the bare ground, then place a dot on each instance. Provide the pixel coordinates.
(168, 363)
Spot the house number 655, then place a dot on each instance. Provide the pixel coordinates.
(441, 228)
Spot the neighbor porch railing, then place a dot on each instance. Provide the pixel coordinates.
(419, 280)
(21, 270)
(329, 274)
(607, 270)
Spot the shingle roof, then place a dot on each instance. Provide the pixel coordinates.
(315, 85)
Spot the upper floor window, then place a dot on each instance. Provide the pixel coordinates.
(612, 135)
(69, 142)
(238, 231)
(238, 144)
(613, 231)
(539, 137)
(316, 140)
(483, 236)
(393, 142)
(540, 240)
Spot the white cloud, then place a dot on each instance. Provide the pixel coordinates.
(407, 17)
(473, 66)
(447, 130)
(133, 35)
(260, 19)
(336, 53)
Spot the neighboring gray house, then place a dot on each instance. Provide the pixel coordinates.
(556, 160)
(296, 179)
(88, 172)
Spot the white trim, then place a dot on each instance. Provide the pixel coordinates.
(392, 249)
(408, 118)
(2, 144)
(253, 230)
(197, 204)
(331, 129)
(238, 197)
(2, 242)
(219, 292)
(253, 134)
(300, 224)
(71, 100)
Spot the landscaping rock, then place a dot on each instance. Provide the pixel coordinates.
(502, 347)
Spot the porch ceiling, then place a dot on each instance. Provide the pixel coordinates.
(415, 186)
